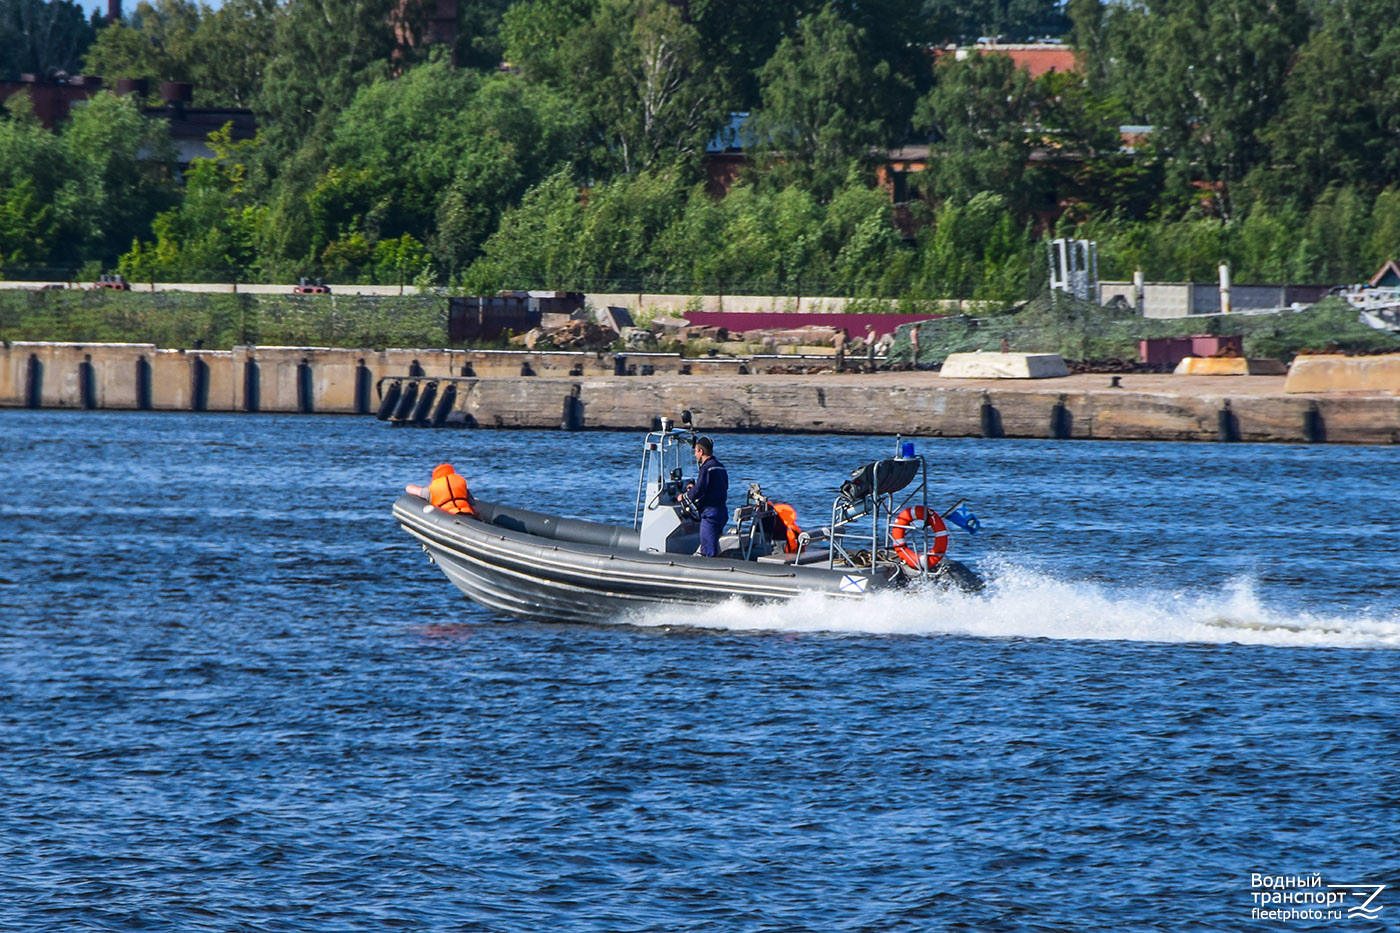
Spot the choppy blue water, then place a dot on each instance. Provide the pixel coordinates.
(233, 696)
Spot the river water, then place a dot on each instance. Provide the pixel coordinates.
(234, 696)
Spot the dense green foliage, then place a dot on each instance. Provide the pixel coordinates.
(561, 144)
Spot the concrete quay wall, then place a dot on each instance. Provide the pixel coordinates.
(882, 406)
(142, 376)
(585, 390)
(282, 379)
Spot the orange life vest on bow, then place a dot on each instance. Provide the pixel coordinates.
(448, 491)
(789, 518)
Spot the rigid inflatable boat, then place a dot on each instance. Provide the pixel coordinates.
(882, 536)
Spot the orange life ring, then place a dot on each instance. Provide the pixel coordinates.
(905, 522)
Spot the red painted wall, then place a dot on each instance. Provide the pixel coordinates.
(853, 323)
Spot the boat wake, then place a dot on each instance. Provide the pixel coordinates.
(1026, 604)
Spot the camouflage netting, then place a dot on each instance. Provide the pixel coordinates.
(1080, 330)
(1050, 323)
(215, 321)
(351, 321)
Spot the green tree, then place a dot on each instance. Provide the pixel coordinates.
(1335, 232)
(1384, 242)
(322, 52)
(222, 52)
(821, 104)
(641, 74)
(1010, 20)
(479, 43)
(559, 237)
(730, 245)
(234, 48)
(980, 116)
(974, 249)
(738, 37)
(1208, 75)
(1089, 39)
(536, 244)
(540, 37)
(156, 42)
(31, 172)
(118, 163)
(437, 153)
(211, 234)
(1340, 120)
(42, 37)
(857, 232)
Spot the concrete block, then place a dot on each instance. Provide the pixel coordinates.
(177, 374)
(335, 376)
(1004, 366)
(277, 376)
(172, 380)
(224, 378)
(1228, 366)
(62, 384)
(1336, 373)
(116, 368)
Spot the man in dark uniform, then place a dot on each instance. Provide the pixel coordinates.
(708, 492)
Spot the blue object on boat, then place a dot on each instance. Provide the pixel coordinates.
(964, 519)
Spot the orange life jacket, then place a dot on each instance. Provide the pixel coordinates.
(448, 491)
(789, 517)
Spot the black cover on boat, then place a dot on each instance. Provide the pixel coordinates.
(552, 526)
(893, 476)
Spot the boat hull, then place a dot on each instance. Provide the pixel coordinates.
(509, 560)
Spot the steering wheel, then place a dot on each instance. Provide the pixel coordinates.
(688, 508)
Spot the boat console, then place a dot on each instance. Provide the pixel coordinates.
(666, 522)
